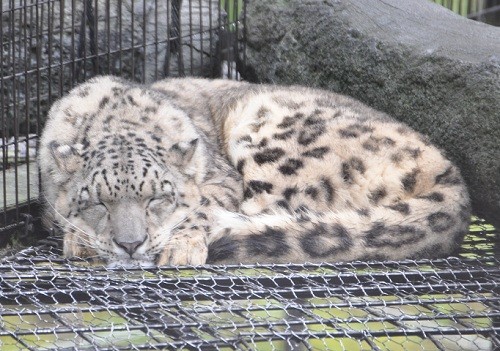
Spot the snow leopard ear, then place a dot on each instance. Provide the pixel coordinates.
(67, 157)
(182, 152)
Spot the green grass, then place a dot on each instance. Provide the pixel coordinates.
(462, 7)
(233, 9)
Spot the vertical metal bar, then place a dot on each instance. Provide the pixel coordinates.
(191, 43)
(202, 53)
(81, 44)
(96, 53)
(61, 43)
(92, 24)
(228, 30)
(72, 53)
(87, 40)
(156, 40)
(94, 43)
(244, 41)
(107, 23)
(182, 71)
(166, 63)
(132, 34)
(211, 38)
(239, 36)
(177, 25)
(235, 38)
(220, 29)
(83, 40)
(49, 49)
(144, 47)
(26, 102)
(38, 28)
(3, 120)
(120, 49)
(15, 126)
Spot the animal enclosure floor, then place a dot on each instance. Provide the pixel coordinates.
(47, 302)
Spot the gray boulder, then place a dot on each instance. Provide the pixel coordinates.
(415, 60)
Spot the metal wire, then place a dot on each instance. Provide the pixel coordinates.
(450, 304)
(46, 302)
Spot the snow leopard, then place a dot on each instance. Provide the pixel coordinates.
(191, 171)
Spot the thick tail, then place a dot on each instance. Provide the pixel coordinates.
(430, 225)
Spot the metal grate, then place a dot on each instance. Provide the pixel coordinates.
(46, 302)
(449, 304)
(49, 46)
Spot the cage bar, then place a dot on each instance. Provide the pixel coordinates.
(47, 302)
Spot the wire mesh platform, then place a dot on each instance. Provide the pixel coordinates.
(47, 302)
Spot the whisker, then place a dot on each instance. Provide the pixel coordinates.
(83, 238)
(87, 243)
(65, 219)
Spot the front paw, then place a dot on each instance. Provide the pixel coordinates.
(75, 246)
(185, 250)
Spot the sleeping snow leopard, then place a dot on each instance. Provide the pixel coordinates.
(193, 171)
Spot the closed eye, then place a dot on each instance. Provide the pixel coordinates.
(163, 200)
(99, 208)
(161, 205)
(95, 215)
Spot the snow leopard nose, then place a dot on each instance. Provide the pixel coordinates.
(129, 247)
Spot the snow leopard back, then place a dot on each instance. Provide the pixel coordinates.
(315, 163)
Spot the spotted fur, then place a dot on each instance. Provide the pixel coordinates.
(192, 171)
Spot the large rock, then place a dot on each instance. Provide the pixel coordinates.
(415, 60)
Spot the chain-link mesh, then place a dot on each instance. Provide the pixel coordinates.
(47, 302)
(451, 304)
